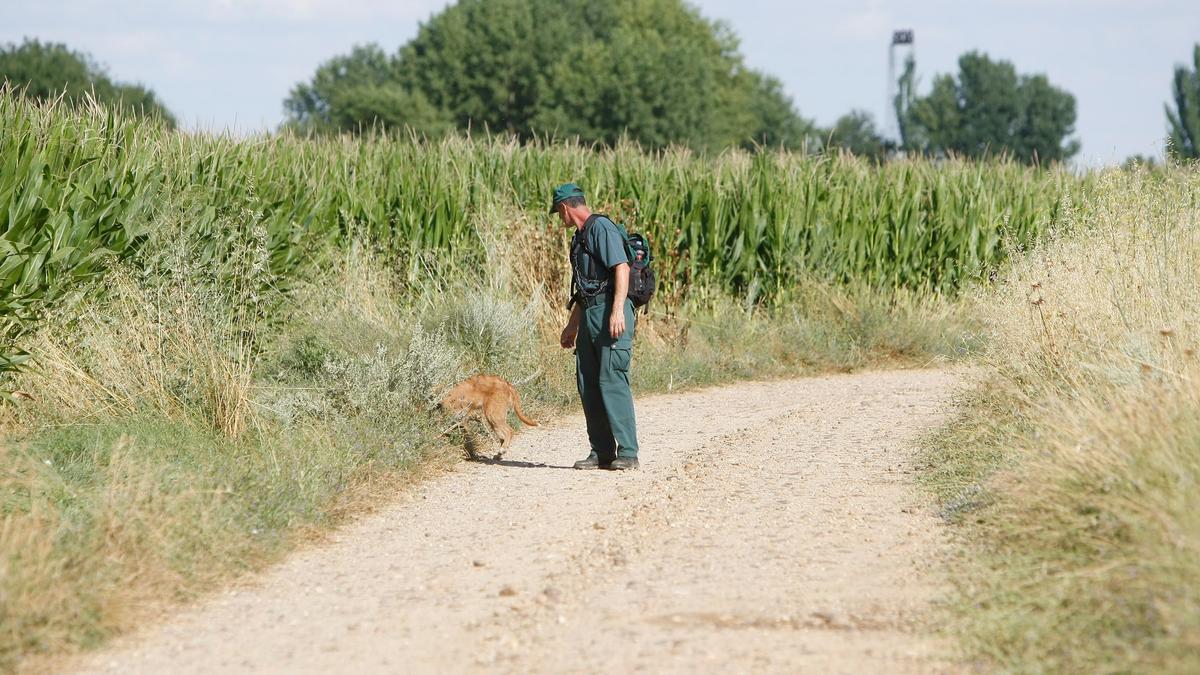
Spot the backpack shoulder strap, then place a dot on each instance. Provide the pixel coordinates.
(583, 239)
(579, 240)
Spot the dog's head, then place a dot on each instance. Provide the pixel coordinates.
(452, 402)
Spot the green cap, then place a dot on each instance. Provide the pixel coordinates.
(565, 191)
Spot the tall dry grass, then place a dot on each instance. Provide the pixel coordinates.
(1084, 550)
(169, 336)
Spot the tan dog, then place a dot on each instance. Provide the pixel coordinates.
(487, 397)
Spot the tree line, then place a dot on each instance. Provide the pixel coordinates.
(656, 72)
(46, 71)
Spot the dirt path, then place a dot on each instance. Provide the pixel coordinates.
(773, 528)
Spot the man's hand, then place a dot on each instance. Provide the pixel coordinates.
(567, 339)
(616, 319)
(616, 322)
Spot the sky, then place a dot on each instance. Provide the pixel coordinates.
(229, 64)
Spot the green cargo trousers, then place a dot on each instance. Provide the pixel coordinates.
(602, 372)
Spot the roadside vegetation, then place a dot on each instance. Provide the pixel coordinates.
(1072, 472)
(215, 348)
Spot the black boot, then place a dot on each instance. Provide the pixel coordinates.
(624, 464)
(592, 462)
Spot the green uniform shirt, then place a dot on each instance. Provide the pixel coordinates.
(606, 243)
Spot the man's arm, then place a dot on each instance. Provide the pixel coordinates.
(571, 331)
(616, 319)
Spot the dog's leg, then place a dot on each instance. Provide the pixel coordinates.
(495, 416)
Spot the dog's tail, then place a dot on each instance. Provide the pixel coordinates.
(516, 399)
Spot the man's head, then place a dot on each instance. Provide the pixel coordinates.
(568, 202)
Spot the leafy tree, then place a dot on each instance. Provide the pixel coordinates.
(655, 71)
(774, 118)
(353, 91)
(1047, 119)
(1183, 123)
(856, 133)
(49, 70)
(989, 109)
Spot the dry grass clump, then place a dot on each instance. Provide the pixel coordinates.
(142, 350)
(1090, 538)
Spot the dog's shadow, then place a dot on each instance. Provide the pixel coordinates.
(475, 453)
(517, 463)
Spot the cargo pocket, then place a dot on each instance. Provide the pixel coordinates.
(620, 359)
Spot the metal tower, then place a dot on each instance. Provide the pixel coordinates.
(903, 39)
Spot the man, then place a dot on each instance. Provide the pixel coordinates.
(602, 337)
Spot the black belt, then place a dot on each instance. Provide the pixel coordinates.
(591, 301)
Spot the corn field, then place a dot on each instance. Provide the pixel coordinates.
(78, 190)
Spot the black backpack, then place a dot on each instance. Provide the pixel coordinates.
(642, 281)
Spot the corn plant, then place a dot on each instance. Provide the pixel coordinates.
(79, 188)
(73, 198)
